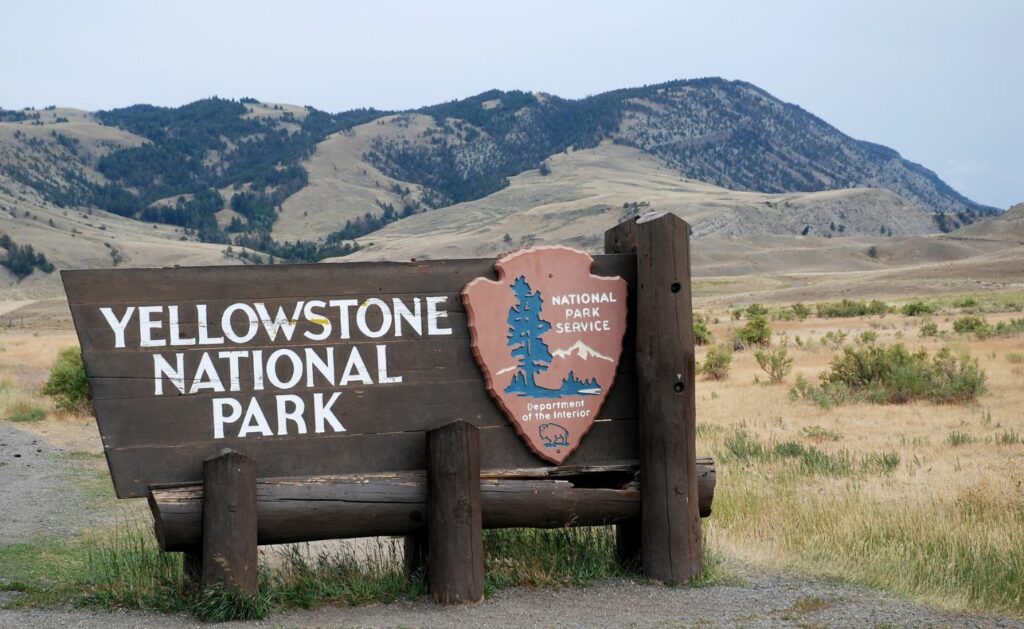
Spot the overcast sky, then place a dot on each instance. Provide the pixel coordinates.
(942, 82)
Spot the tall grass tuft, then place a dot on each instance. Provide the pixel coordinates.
(961, 553)
(549, 557)
(128, 570)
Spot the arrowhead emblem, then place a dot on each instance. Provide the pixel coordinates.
(548, 336)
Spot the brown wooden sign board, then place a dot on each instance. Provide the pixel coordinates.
(309, 369)
(241, 400)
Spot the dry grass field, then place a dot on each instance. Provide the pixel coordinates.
(923, 500)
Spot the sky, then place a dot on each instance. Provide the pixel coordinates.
(940, 81)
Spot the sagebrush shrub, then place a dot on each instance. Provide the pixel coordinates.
(776, 363)
(67, 384)
(893, 375)
(756, 332)
(701, 334)
(917, 308)
(716, 363)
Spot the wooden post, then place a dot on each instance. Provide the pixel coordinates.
(415, 555)
(670, 536)
(455, 563)
(229, 522)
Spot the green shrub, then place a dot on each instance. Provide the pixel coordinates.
(756, 332)
(972, 325)
(966, 302)
(893, 375)
(1009, 328)
(1015, 358)
(851, 308)
(716, 363)
(67, 383)
(917, 308)
(833, 339)
(827, 395)
(756, 310)
(737, 313)
(801, 311)
(701, 334)
(928, 330)
(867, 336)
(776, 363)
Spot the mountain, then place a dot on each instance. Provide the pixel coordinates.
(581, 349)
(220, 181)
(729, 133)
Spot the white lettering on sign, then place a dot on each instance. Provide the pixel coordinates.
(241, 370)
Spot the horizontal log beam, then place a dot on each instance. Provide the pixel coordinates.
(336, 507)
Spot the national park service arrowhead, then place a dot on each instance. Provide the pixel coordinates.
(548, 336)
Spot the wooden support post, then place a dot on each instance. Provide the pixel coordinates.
(670, 536)
(455, 563)
(415, 555)
(229, 522)
(192, 566)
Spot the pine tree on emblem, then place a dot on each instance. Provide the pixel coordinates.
(525, 329)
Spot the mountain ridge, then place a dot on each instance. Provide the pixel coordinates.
(224, 181)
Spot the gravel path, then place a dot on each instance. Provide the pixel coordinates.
(759, 601)
(37, 496)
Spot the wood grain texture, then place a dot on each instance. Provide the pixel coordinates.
(455, 563)
(135, 469)
(670, 516)
(230, 556)
(160, 439)
(335, 507)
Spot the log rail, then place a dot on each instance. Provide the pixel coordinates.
(332, 507)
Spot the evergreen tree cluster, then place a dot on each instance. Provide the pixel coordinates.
(22, 259)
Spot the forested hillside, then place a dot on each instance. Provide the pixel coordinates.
(221, 170)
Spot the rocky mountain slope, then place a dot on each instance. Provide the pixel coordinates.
(223, 181)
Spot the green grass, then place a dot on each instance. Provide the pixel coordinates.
(959, 438)
(797, 458)
(23, 412)
(124, 569)
(1008, 438)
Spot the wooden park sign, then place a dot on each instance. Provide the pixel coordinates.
(273, 404)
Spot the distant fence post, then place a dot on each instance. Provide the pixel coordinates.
(455, 559)
(669, 528)
(230, 554)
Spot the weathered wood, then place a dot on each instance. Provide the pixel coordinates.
(169, 285)
(334, 507)
(159, 439)
(455, 563)
(621, 239)
(670, 518)
(230, 555)
(135, 469)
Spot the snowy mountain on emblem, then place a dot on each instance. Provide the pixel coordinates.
(582, 350)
